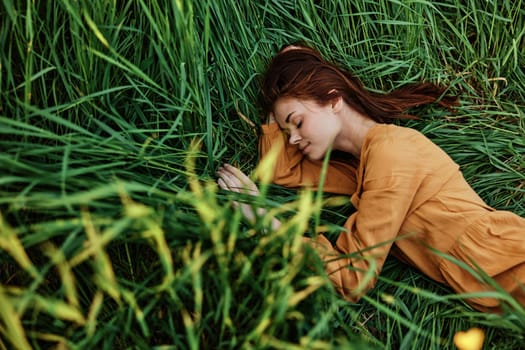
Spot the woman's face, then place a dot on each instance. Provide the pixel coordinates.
(310, 126)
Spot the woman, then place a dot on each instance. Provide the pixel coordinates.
(411, 199)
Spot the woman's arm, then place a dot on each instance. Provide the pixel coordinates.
(359, 254)
(393, 174)
(293, 169)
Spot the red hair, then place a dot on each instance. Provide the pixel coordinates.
(301, 72)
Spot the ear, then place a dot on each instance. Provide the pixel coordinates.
(337, 104)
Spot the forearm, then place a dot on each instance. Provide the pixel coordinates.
(286, 170)
(292, 169)
(349, 276)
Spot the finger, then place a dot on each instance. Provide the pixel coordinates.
(222, 184)
(239, 174)
(230, 177)
(223, 171)
(231, 182)
(236, 180)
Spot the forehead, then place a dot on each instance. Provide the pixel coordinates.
(285, 106)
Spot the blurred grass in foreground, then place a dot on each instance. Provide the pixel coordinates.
(114, 117)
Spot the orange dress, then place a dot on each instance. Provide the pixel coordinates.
(412, 201)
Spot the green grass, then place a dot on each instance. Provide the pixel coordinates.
(114, 116)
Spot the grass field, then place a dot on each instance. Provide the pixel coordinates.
(114, 116)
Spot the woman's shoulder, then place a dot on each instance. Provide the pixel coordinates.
(395, 136)
(393, 132)
(401, 144)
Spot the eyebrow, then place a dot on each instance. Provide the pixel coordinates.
(287, 120)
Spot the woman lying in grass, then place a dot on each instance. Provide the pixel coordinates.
(410, 197)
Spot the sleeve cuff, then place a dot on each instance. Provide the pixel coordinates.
(270, 128)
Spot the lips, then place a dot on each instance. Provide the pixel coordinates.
(305, 148)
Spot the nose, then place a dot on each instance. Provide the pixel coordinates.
(295, 138)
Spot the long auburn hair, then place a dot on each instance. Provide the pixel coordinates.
(301, 72)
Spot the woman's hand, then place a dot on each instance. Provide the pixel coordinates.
(270, 118)
(232, 179)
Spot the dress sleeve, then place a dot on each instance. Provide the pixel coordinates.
(293, 169)
(389, 185)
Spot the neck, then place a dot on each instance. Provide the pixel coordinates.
(354, 128)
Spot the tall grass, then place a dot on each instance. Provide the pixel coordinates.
(114, 116)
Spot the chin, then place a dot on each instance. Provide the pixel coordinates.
(315, 156)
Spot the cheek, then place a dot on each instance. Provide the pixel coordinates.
(311, 132)
(324, 139)
(322, 129)
(326, 131)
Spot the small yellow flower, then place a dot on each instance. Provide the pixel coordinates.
(470, 340)
(388, 298)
